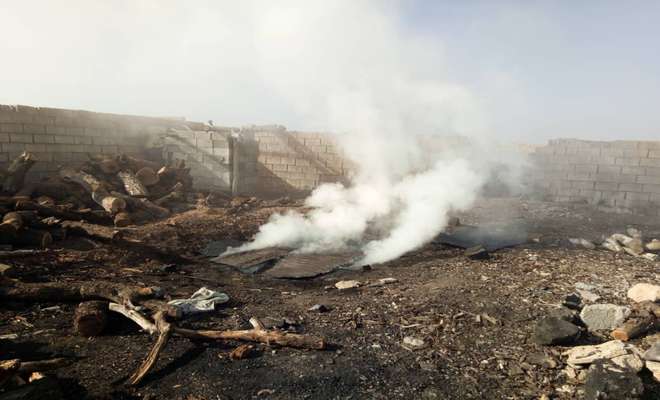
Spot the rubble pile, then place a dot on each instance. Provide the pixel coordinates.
(120, 190)
(609, 369)
(632, 243)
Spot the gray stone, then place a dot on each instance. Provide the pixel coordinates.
(608, 381)
(644, 292)
(603, 316)
(554, 331)
(345, 285)
(564, 313)
(653, 354)
(623, 355)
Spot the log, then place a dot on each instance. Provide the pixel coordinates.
(144, 204)
(78, 292)
(16, 171)
(136, 164)
(93, 186)
(132, 185)
(62, 214)
(13, 218)
(33, 237)
(90, 318)
(45, 201)
(176, 194)
(25, 193)
(147, 176)
(123, 219)
(633, 328)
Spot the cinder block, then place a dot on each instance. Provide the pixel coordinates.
(619, 178)
(579, 177)
(20, 138)
(651, 189)
(628, 161)
(34, 128)
(630, 187)
(654, 154)
(11, 128)
(625, 144)
(220, 144)
(4, 138)
(612, 152)
(648, 179)
(636, 153)
(633, 170)
(202, 142)
(43, 138)
(55, 130)
(607, 186)
(62, 156)
(608, 169)
(652, 171)
(582, 185)
(13, 147)
(92, 149)
(650, 162)
(82, 139)
(33, 148)
(63, 139)
(635, 196)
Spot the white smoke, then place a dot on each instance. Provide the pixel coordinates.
(381, 88)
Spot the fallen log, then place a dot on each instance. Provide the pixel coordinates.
(58, 213)
(132, 185)
(13, 218)
(33, 237)
(77, 292)
(15, 175)
(94, 187)
(90, 318)
(175, 194)
(144, 204)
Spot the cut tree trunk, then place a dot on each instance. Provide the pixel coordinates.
(123, 219)
(132, 185)
(90, 318)
(63, 214)
(134, 204)
(93, 186)
(633, 328)
(147, 176)
(15, 175)
(33, 237)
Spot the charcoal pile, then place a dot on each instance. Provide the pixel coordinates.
(120, 190)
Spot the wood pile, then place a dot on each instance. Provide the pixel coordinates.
(120, 190)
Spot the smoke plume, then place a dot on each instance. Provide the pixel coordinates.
(381, 90)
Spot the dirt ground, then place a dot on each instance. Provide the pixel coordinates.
(476, 318)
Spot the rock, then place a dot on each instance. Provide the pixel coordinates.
(654, 367)
(588, 296)
(644, 292)
(413, 342)
(650, 256)
(582, 243)
(387, 281)
(607, 381)
(564, 313)
(318, 308)
(584, 286)
(553, 331)
(477, 253)
(612, 245)
(653, 353)
(344, 285)
(636, 246)
(431, 394)
(573, 301)
(653, 245)
(617, 352)
(603, 316)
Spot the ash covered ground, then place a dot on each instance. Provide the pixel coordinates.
(444, 327)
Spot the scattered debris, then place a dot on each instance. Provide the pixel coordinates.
(582, 243)
(203, 300)
(241, 352)
(615, 351)
(318, 308)
(344, 285)
(414, 343)
(603, 316)
(644, 292)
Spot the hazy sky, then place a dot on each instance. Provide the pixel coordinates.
(525, 70)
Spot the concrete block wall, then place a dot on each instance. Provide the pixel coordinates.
(206, 152)
(289, 162)
(59, 136)
(621, 176)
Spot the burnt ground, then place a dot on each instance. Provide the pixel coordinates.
(437, 297)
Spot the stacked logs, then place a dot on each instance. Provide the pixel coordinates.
(117, 189)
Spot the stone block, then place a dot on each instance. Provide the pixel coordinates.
(33, 148)
(652, 171)
(607, 186)
(633, 170)
(581, 168)
(20, 138)
(654, 154)
(628, 161)
(620, 178)
(650, 162)
(11, 128)
(582, 184)
(648, 179)
(13, 147)
(609, 169)
(630, 187)
(651, 189)
(34, 128)
(64, 139)
(579, 177)
(637, 197)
